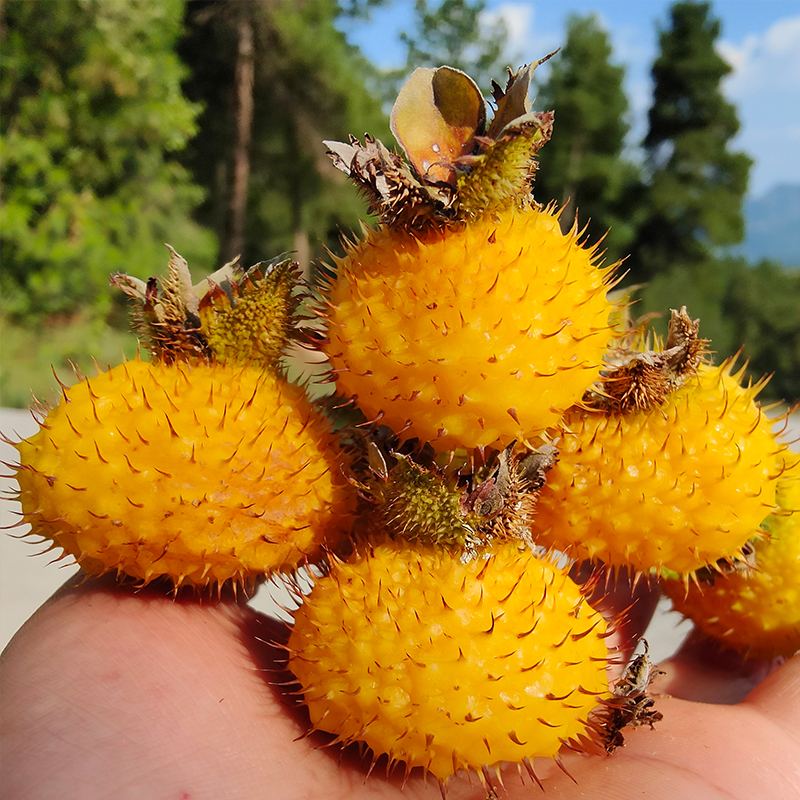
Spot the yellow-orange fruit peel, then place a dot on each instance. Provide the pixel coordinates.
(469, 336)
(755, 611)
(203, 474)
(677, 486)
(449, 664)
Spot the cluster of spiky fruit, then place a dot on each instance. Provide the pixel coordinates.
(509, 428)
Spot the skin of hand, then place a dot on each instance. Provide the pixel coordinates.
(112, 692)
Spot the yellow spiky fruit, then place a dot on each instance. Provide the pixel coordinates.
(201, 474)
(675, 486)
(469, 336)
(448, 663)
(755, 611)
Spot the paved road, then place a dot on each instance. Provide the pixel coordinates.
(26, 581)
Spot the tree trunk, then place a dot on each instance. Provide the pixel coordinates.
(232, 242)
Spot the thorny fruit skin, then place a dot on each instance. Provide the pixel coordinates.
(469, 336)
(756, 611)
(202, 474)
(677, 486)
(449, 663)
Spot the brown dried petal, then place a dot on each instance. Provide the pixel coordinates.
(514, 101)
(392, 190)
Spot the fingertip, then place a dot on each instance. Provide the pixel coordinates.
(778, 694)
(627, 601)
(704, 671)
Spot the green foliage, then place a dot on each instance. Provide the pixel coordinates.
(741, 307)
(583, 164)
(454, 33)
(697, 185)
(309, 85)
(763, 304)
(92, 116)
(31, 357)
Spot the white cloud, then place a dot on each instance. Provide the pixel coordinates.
(524, 43)
(767, 61)
(765, 86)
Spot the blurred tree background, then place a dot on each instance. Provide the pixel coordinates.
(93, 123)
(692, 210)
(129, 124)
(456, 33)
(585, 167)
(274, 80)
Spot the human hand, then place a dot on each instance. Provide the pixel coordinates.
(109, 692)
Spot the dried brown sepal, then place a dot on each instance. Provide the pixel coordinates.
(630, 705)
(513, 101)
(504, 501)
(392, 190)
(684, 349)
(534, 465)
(166, 320)
(637, 380)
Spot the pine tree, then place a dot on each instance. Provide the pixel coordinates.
(697, 184)
(456, 33)
(93, 116)
(582, 168)
(276, 79)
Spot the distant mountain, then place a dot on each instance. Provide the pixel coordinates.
(773, 226)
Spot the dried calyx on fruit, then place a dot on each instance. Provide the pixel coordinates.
(457, 507)
(202, 466)
(467, 319)
(637, 379)
(458, 167)
(234, 315)
(669, 463)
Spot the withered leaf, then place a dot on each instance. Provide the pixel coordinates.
(488, 497)
(166, 320)
(435, 118)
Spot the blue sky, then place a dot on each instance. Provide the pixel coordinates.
(760, 39)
